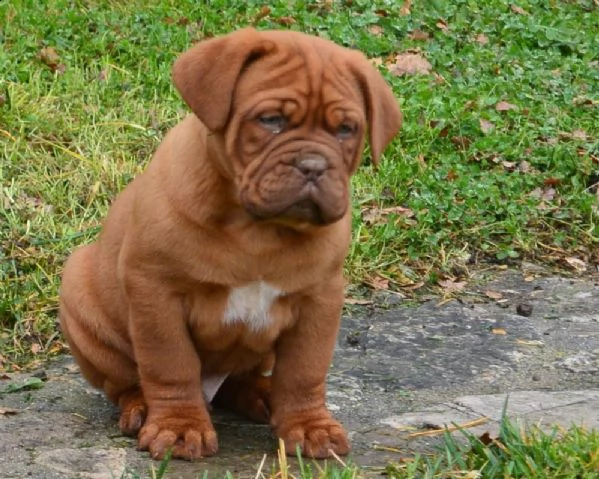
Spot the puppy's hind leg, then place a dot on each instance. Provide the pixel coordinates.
(104, 357)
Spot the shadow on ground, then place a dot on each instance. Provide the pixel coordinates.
(399, 368)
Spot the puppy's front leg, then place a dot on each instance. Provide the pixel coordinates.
(169, 371)
(303, 355)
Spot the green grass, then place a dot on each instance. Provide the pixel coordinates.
(85, 97)
(517, 452)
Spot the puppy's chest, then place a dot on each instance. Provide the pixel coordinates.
(252, 305)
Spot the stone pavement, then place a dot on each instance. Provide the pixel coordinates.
(400, 367)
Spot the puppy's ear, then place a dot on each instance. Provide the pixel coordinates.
(383, 113)
(206, 74)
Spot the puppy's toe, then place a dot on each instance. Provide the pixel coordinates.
(316, 438)
(133, 413)
(187, 441)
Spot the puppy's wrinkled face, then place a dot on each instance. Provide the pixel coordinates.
(296, 134)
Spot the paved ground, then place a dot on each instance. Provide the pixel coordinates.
(400, 367)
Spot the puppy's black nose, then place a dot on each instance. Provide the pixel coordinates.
(312, 165)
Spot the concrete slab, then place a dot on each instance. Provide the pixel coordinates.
(398, 369)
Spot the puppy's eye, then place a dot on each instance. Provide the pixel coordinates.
(274, 123)
(345, 130)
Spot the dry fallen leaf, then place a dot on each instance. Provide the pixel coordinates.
(5, 411)
(376, 30)
(410, 64)
(485, 125)
(286, 21)
(49, 56)
(505, 106)
(376, 61)
(357, 301)
(378, 282)
(461, 142)
(493, 294)
(405, 8)
(442, 25)
(35, 348)
(450, 285)
(518, 10)
(577, 264)
(418, 35)
(482, 39)
(499, 331)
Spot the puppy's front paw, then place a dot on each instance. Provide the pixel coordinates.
(318, 436)
(187, 437)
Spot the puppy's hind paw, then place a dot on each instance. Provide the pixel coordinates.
(133, 413)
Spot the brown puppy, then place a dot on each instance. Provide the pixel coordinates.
(223, 260)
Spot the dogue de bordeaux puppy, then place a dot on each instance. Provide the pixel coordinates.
(218, 277)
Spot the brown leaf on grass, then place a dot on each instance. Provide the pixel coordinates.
(518, 10)
(49, 57)
(524, 166)
(287, 21)
(452, 286)
(482, 39)
(442, 25)
(2, 100)
(376, 30)
(405, 8)
(574, 135)
(548, 194)
(509, 165)
(418, 35)
(376, 61)
(263, 13)
(485, 125)
(552, 181)
(36, 348)
(379, 282)
(461, 142)
(371, 216)
(410, 64)
(505, 106)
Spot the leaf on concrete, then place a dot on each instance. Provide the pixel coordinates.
(577, 264)
(6, 411)
(27, 385)
(451, 285)
(493, 294)
(410, 64)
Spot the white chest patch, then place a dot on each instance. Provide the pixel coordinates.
(251, 305)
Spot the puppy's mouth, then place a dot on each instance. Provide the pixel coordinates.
(317, 202)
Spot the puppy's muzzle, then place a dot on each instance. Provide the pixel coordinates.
(312, 166)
